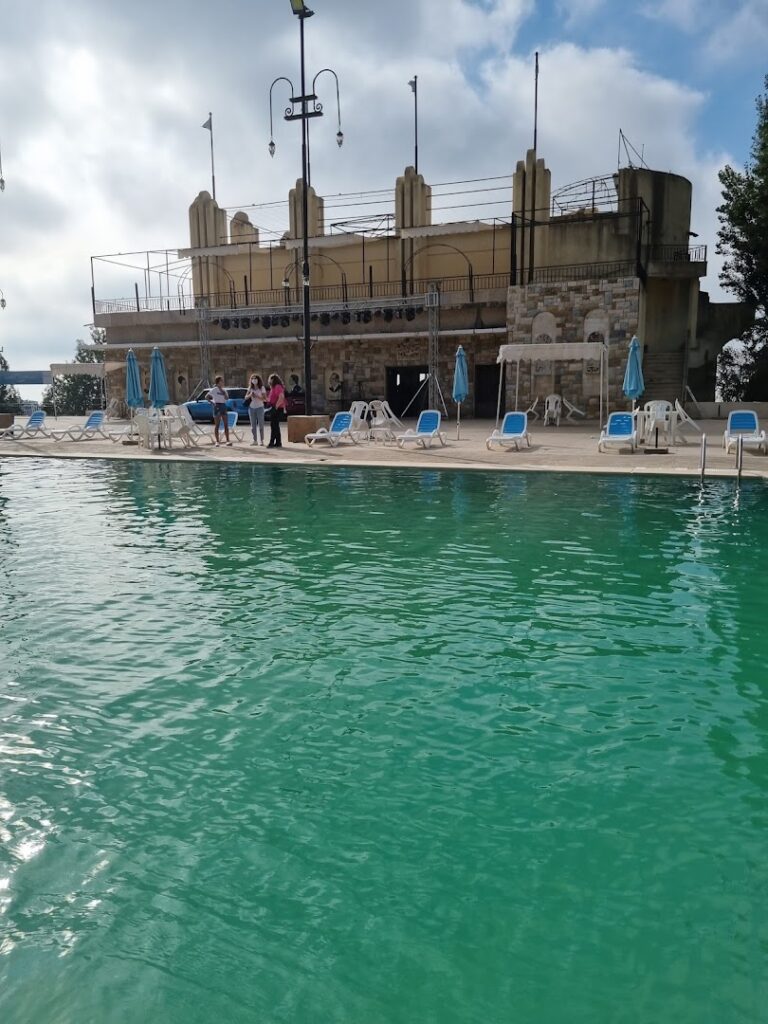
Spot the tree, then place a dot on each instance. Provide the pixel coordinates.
(76, 395)
(10, 400)
(743, 240)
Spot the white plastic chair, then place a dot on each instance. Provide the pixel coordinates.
(553, 407)
(176, 427)
(196, 430)
(658, 416)
(359, 413)
(532, 410)
(384, 424)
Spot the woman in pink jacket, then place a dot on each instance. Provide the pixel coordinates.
(275, 398)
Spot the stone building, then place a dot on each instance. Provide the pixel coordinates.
(600, 260)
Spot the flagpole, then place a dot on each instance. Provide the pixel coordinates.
(209, 125)
(414, 84)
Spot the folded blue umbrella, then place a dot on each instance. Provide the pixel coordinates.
(460, 383)
(134, 397)
(158, 383)
(634, 385)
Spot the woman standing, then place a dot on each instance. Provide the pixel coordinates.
(219, 397)
(257, 394)
(275, 398)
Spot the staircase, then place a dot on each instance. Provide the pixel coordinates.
(663, 375)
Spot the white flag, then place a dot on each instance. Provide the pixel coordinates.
(209, 123)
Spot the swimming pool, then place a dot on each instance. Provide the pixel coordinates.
(298, 745)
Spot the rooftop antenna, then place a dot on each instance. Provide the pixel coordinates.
(624, 141)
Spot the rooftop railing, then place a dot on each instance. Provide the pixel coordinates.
(343, 292)
(678, 254)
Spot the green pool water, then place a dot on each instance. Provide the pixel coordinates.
(391, 747)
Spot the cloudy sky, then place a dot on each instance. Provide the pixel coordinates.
(102, 103)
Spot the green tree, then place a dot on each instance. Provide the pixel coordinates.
(743, 241)
(10, 401)
(76, 396)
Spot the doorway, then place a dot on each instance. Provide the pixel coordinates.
(402, 384)
(487, 390)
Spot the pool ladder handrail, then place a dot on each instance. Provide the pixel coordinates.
(703, 456)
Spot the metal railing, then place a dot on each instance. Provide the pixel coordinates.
(678, 253)
(348, 293)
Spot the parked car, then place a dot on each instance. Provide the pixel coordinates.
(201, 409)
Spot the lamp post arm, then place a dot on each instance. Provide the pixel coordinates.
(288, 110)
(330, 71)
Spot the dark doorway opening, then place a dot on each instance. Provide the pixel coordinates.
(402, 384)
(487, 390)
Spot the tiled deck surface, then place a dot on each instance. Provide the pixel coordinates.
(568, 448)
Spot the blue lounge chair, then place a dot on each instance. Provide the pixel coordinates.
(514, 429)
(427, 429)
(339, 430)
(620, 432)
(93, 427)
(34, 427)
(744, 424)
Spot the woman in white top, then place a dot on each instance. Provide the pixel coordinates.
(219, 397)
(257, 393)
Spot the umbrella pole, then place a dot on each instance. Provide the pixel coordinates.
(517, 383)
(498, 402)
(458, 421)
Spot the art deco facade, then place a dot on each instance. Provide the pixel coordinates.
(391, 299)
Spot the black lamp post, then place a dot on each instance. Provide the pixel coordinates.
(303, 114)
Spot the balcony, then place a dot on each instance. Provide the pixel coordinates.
(683, 261)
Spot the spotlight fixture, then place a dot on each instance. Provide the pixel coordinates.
(325, 319)
(236, 322)
(245, 322)
(215, 322)
(388, 315)
(335, 316)
(377, 312)
(410, 313)
(225, 324)
(266, 322)
(345, 317)
(313, 317)
(285, 321)
(367, 316)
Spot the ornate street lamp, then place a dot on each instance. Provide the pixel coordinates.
(300, 110)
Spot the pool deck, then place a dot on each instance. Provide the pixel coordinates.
(568, 448)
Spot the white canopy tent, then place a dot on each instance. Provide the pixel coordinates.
(555, 351)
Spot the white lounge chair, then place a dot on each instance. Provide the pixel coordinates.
(619, 432)
(93, 427)
(339, 430)
(532, 409)
(176, 427)
(427, 430)
(196, 430)
(573, 411)
(553, 407)
(384, 425)
(34, 427)
(683, 420)
(514, 429)
(743, 423)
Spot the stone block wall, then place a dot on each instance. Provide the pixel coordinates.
(572, 311)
